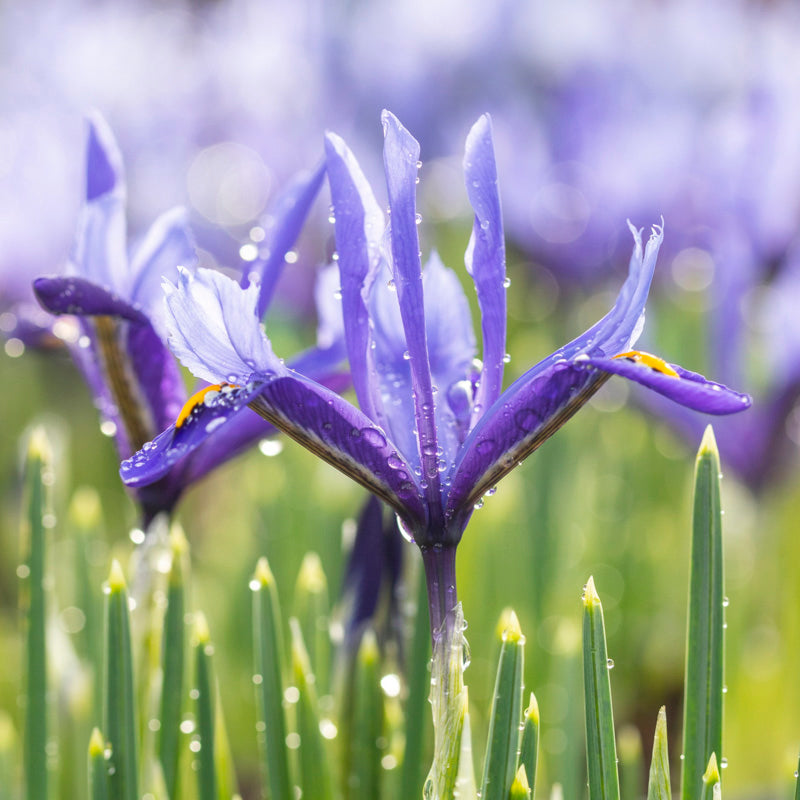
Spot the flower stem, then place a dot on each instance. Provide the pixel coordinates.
(440, 575)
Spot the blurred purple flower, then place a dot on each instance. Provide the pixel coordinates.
(118, 303)
(434, 431)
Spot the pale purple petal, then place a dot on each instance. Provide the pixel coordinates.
(400, 160)
(486, 259)
(105, 172)
(359, 226)
(168, 245)
(214, 330)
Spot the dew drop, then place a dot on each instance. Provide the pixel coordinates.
(610, 663)
(506, 282)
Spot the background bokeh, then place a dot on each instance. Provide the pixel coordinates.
(601, 113)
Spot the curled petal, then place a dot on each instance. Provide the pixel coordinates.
(104, 168)
(689, 389)
(213, 328)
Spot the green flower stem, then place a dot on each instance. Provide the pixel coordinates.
(269, 682)
(502, 744)
(207, 785)
(529, 748)
(119, 692)
(173, 650)
(703, 692)
(39, 471)
(98, 768)
(658, 787)
(601, 750)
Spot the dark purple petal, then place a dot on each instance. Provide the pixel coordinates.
(104, 168)
(400, 160)
(168, 245)
(359, 226)
(522, 418)
(73, 295)
(217, 415)
(689, 389)
(289, 215)
(345, 437)
(486, 259)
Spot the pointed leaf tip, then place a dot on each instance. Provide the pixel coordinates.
(116, 578)
(532, 711)
(39, 445)
(311, 577)
(520, 788)
(590, 597)
(368, 652)
(179, 545)
(709, 443)
(85, 511)
(263, 574)
(711, 775)
(512, 632)
(202, 635)
(97, 744)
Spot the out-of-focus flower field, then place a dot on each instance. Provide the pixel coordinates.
(601, 113)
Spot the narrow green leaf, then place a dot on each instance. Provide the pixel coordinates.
(631, 762)
(39, 475)
(529, 748)
(315, 771)
(119, 693)
(710, 780)
(365, 771)
(98, 768)
(416, 706)
(173, 651)
(502, 743)
(601, 750)
(207, 787)
(520, 788)
(659, 787)
(223, 757)
(8, 757)
(269, 683)
(797, 781)
(703, 689)
(312, 610)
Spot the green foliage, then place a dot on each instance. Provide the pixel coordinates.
(658, 787)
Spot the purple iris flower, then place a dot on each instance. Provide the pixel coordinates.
(121, 350)
(434, 431)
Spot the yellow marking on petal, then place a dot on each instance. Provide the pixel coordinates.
(196, 399)
(649, 360)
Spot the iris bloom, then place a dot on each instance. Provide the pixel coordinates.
(122, 350)
(433, 432)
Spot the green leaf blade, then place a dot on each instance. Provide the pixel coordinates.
(703, 691)
(658, 787)
(601, 749)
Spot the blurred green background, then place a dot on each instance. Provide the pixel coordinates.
(608, 496)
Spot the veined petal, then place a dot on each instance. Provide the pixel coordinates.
(214, 329)
(288, 216)
(79, 296)
(400, 159)
(99, 252)
(345, 437)
(359, 227)
(486, 258)
(523, 417)
(167, 245)
(690, 389)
